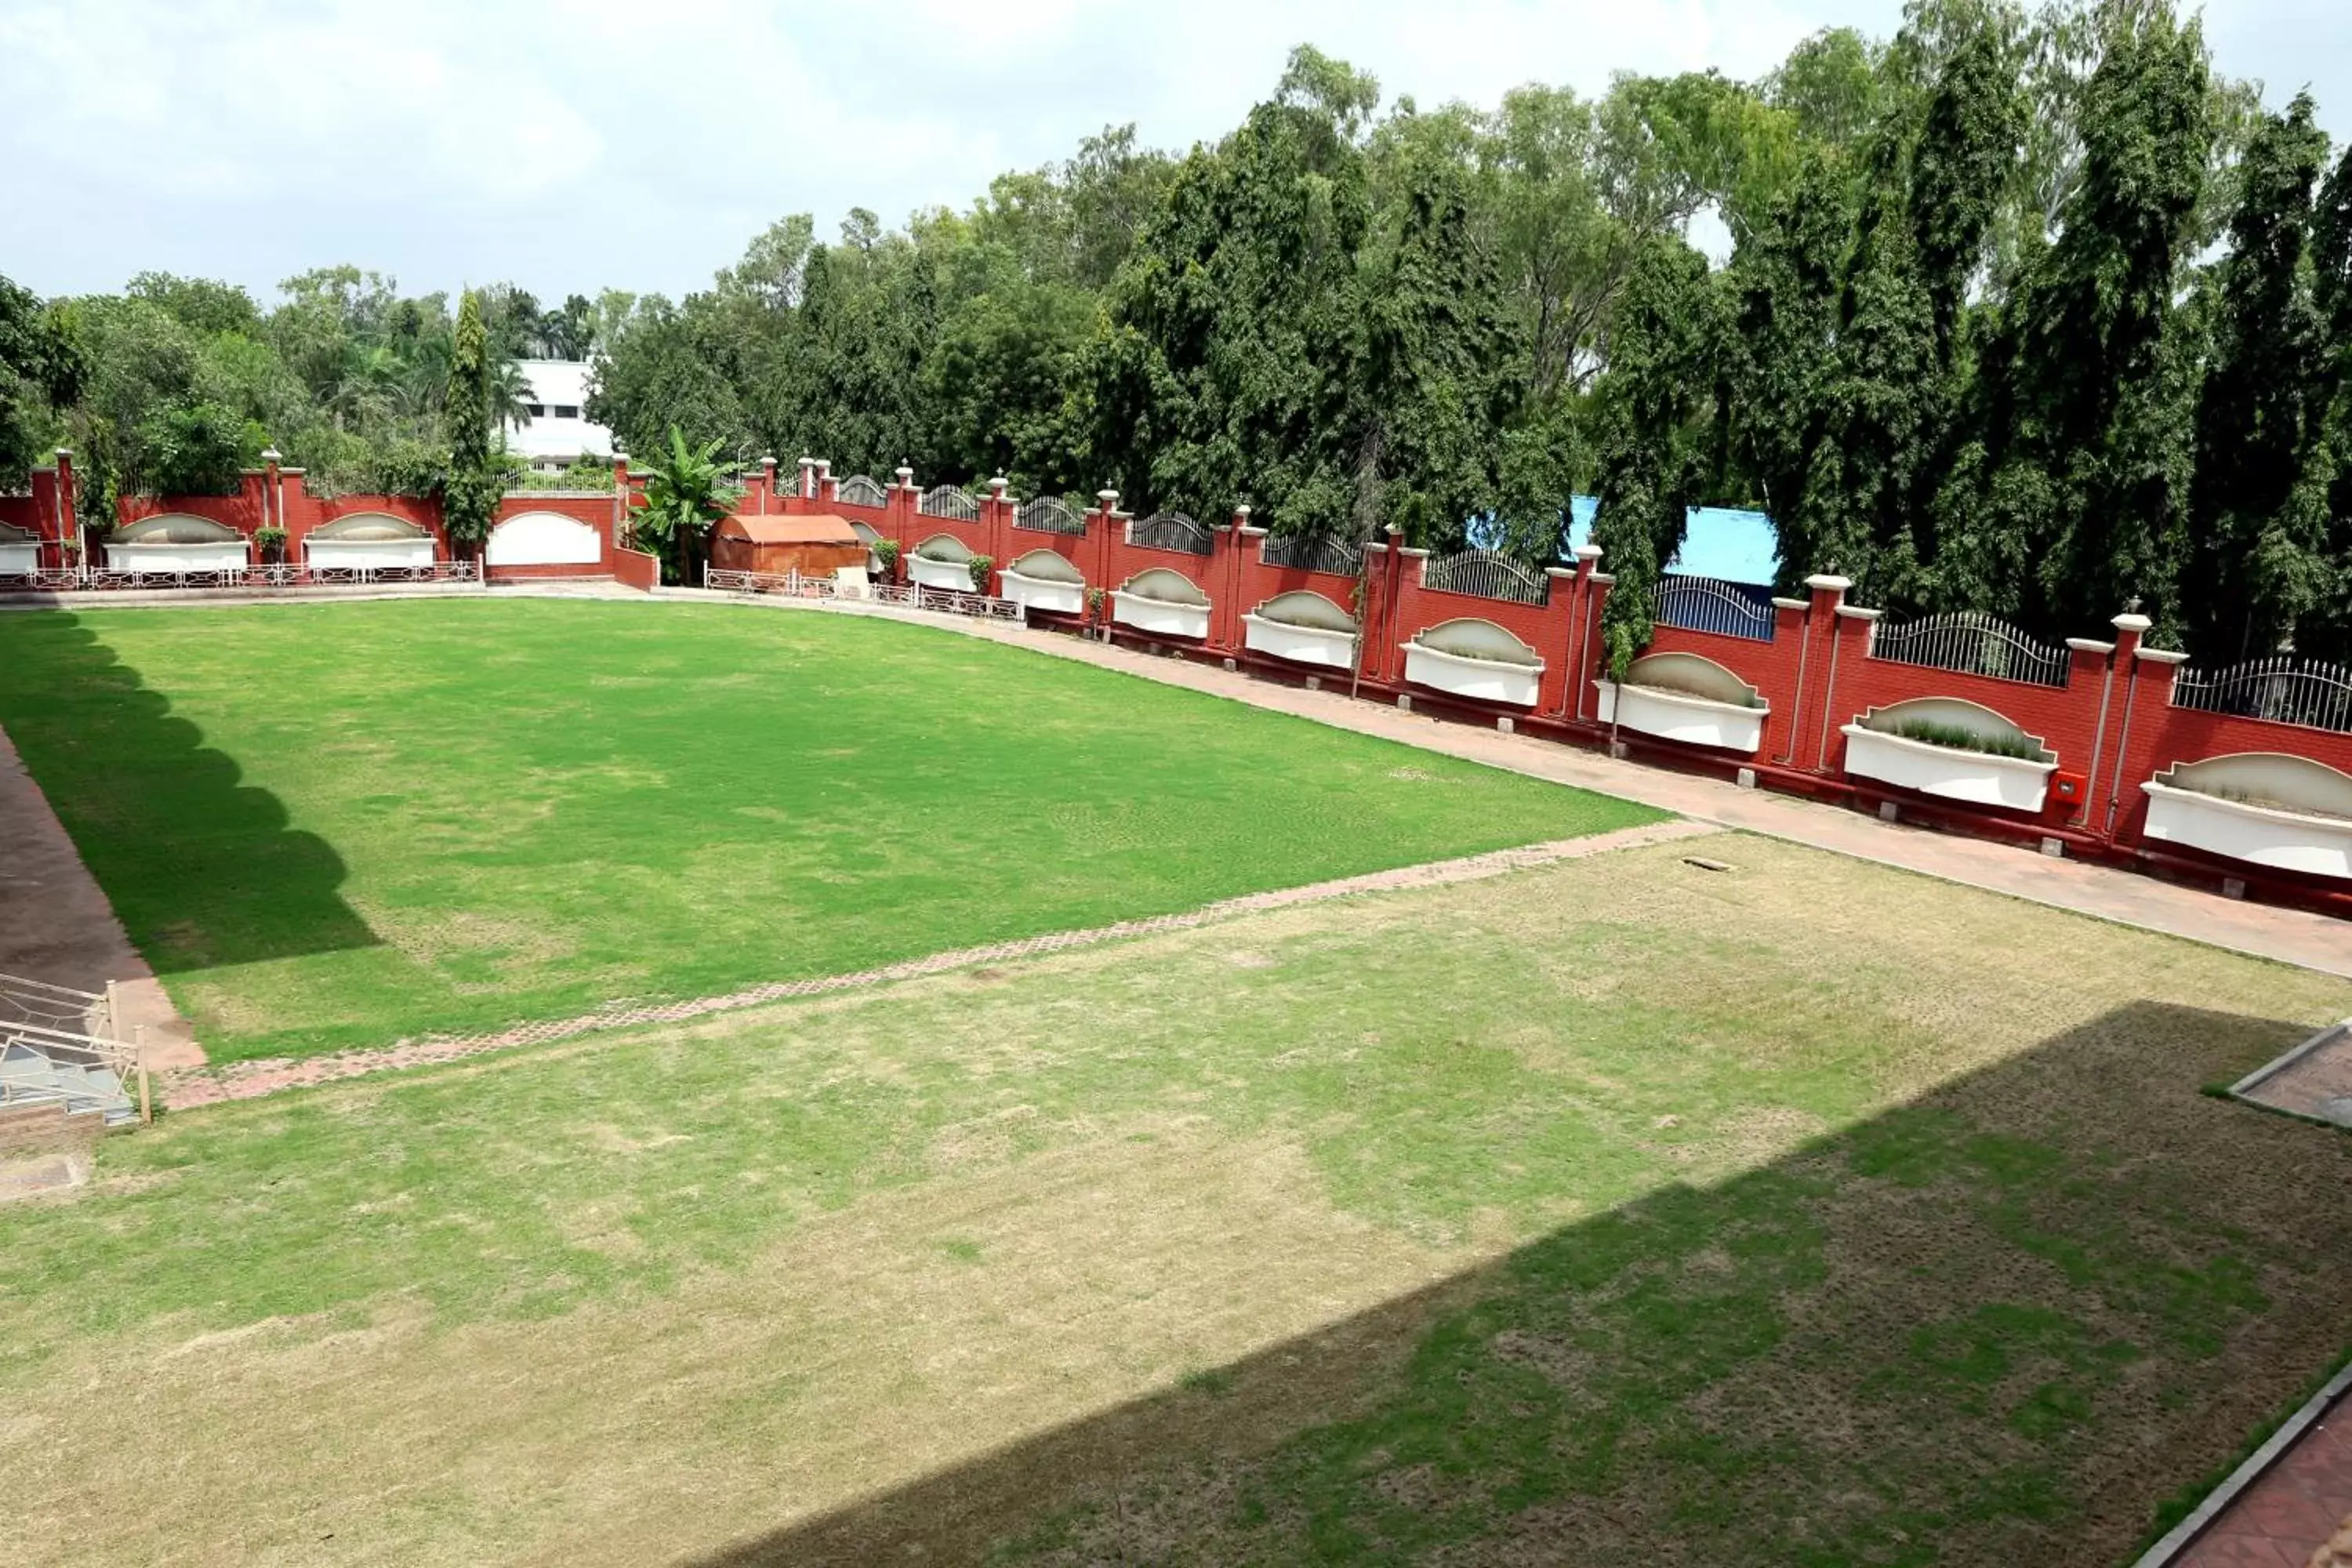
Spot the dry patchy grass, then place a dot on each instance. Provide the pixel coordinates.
(1615, 1211)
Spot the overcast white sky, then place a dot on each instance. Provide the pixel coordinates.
(575, 146)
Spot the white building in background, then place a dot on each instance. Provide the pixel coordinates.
(558, 432)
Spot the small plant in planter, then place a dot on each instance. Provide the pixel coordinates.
(980, 566)
(886, 551)
(1959, 738)
(271, 544)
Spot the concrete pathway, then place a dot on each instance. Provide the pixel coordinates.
(55, 925)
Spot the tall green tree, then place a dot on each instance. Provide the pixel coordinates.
(477, 477)
(1655, 418)
(2259, 517)
(42, 369)
(2072, 497)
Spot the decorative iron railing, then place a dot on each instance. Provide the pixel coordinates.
(1711, 605)
(862, 490)
(1486, 575)
(1312, 552)
(949, 501)
(1170, 531)
(41, 580)
(2283, 689)
(285, 576)
(1050, 514)
(1968, 643)
(911, 597)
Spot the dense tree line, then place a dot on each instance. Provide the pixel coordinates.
(2030, 312)
(176, 384)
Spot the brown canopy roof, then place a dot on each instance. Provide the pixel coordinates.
(804, 530)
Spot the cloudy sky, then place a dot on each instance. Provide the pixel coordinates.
(575, 146)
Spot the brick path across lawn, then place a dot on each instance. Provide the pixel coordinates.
(250, 1080)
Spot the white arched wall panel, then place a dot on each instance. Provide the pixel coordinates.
(545, 538)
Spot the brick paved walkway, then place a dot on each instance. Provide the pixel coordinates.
(2288, 1518)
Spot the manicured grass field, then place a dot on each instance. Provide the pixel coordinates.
(333, 825)
(1619, 1212)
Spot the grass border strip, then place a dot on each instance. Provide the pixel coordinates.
(2182, 1536)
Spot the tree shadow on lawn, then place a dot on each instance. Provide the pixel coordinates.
(203, 871)
(2008, 1322)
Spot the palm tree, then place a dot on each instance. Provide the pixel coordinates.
(510, 394)
(686, 494)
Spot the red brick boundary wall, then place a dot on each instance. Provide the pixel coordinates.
(2111, 724)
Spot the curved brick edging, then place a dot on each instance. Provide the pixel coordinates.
(251, 1080)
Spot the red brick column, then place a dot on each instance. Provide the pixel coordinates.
(996, 514)
(1826, 646)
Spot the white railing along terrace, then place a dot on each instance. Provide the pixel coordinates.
(2283, 689)
(1711, 605)
(1968, 643)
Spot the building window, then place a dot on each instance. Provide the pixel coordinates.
(567, 411)
(534, 410)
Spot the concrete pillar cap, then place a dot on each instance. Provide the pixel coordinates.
(1828, 582)
(1586, 552)
(2131, 623)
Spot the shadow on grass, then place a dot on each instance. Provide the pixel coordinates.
(2011, 1322)
(202, 870)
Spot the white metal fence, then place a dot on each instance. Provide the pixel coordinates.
(1711, 605)
(1968, 643)
(952, 502)
(1050, 514)
(1170, 531)
(2283, 689)
(1486, 576)
(1312, 552)
(862, 490)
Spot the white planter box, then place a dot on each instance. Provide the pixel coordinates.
(19, 558)
(1678, 716)
(930, 573)
(1038, 594)
(1159, 615)
(215, 557)
(1977, 777)
(1487, 679)
(1301, 645)
(2260, 835)
(339, 553)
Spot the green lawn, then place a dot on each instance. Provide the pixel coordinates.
(1617, 1212)
(333, 825)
